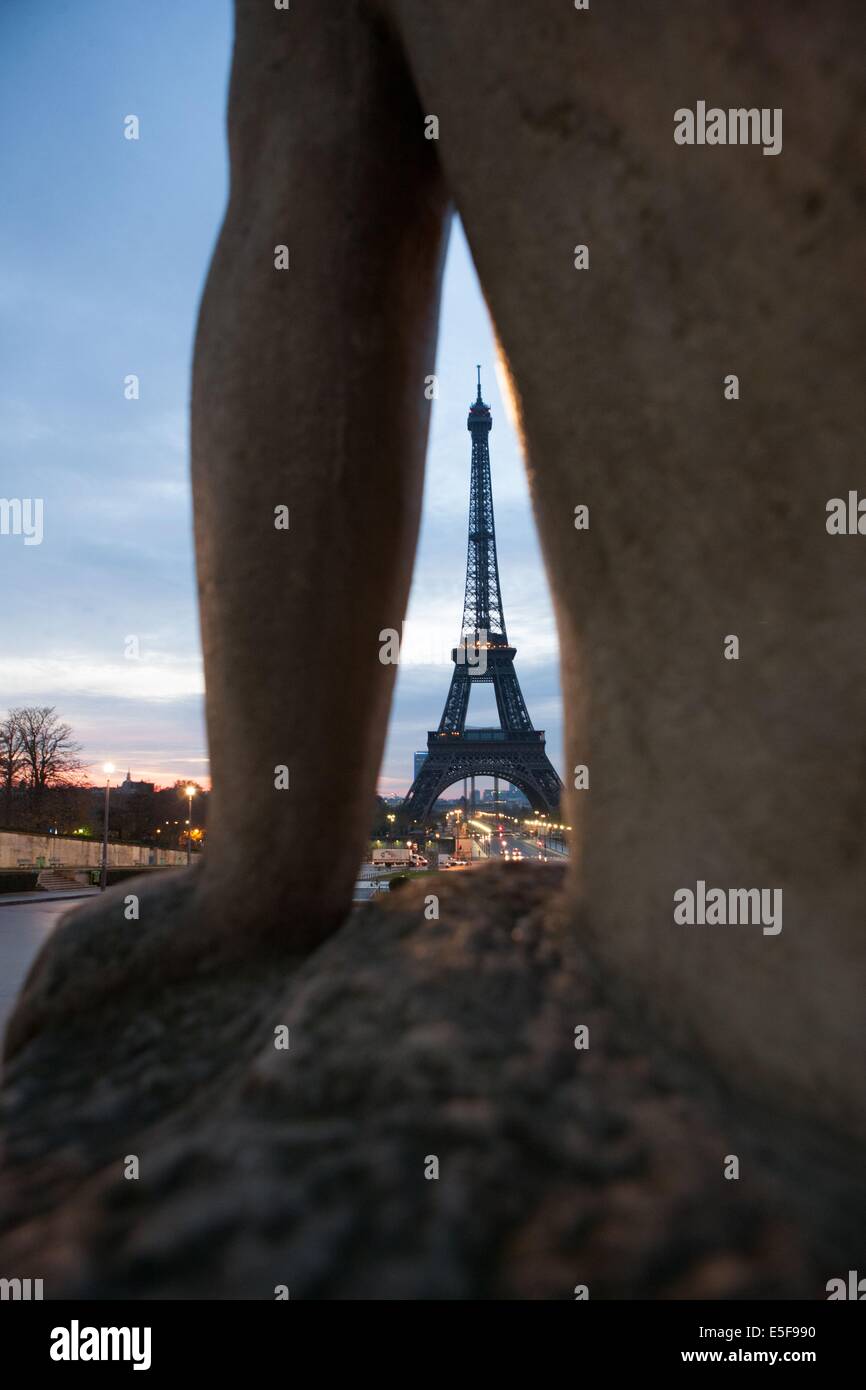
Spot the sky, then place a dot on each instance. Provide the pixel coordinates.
(104, 247)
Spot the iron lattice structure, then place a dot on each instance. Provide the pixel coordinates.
(514, 751)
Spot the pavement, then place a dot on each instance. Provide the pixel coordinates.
(26, 920)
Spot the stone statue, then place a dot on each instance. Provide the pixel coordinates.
(683, 328)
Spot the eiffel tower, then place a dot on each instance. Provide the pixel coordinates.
(515, 751)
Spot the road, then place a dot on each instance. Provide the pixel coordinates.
(25, 922)
(526, 845)
(521, 841)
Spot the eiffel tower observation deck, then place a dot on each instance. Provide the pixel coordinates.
(514, 751)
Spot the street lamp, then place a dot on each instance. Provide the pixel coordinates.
(107, 768)
(190, 793)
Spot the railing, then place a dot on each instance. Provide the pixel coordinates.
(489, 736)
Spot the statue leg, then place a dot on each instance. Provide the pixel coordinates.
(308, 395)
(706, 510)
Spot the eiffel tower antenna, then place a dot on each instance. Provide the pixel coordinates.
(515, 751)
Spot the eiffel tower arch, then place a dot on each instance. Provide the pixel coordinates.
(515, 751)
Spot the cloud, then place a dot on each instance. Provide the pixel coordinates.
(54, 680)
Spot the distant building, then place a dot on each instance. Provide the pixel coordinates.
(130, 788)
(419, 761)
(514, 796)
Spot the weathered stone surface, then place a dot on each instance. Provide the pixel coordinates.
(408, 1038)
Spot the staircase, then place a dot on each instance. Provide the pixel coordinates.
(53, 880)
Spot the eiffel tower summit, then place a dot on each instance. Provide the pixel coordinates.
(514, 751)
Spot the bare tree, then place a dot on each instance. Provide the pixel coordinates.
(11, 757)
(49, 751)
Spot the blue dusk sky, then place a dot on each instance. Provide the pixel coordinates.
(104, 247)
